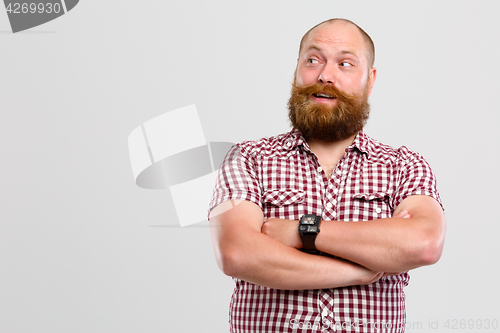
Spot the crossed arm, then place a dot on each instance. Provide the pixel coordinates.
(268, 253)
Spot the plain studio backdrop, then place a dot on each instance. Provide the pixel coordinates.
(83, 249)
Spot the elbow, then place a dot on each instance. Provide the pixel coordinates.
(229, 262)
(420, 255)
(430, 243)
(430, 251)
(431, 255)
(227, 265)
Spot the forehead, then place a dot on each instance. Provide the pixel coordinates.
(339, 35)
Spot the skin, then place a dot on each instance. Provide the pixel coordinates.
(243, 251)
(334, 54)
(268, 253)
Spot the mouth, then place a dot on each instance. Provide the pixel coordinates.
(321, 95)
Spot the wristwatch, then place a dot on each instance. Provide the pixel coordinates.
(308, 230)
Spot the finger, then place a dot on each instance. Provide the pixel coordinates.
(403, 214)
(377, 277)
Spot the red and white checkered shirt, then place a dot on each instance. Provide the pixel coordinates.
(283, 177)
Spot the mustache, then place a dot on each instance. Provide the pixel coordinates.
(318, 88)
(323, 122)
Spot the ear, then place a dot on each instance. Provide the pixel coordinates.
(371, 79)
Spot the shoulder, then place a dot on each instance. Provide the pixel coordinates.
(266, 146)
(379, 152)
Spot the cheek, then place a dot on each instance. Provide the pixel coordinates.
(354, 86)
(305, 79)
(305, 76)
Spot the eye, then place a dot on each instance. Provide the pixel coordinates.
(345, 64)
(312, 61)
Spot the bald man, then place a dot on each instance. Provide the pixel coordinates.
(283, 210)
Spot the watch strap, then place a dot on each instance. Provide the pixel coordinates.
(308, 243)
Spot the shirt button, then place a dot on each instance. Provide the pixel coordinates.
(329, 205)
(378, 210)
(334, 214)
(336, 191)
(320, 169)
(324, 313)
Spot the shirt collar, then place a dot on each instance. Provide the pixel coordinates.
(294, 139)
(362, 142)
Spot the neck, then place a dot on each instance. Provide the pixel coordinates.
(337, 147)
(329, 153)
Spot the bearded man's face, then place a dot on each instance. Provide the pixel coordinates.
(329, 122)
(333, 80)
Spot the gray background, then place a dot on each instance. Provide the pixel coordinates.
(83, 249)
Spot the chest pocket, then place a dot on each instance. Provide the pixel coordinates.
(284, 204)
(370, 197)
(371, 206)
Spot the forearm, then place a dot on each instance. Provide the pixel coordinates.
(272, 264)
(389, 245)
(242, 251)
(414, 237)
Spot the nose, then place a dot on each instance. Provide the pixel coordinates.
(327, 75)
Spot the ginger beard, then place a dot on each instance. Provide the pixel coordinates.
(323, 122)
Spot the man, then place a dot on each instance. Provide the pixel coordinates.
(283, 207)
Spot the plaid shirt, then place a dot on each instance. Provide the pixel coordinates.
(283, 177)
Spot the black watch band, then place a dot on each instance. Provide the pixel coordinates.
(308, 230)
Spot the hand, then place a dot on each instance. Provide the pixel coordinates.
(402, 214)
(283, 231)
(367, 276)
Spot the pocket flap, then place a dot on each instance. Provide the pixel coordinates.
(371, 196)
(283, 197)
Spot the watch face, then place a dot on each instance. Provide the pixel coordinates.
(308, 220)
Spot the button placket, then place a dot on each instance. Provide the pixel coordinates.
(326, 319)
(339, 175)
(333, 190)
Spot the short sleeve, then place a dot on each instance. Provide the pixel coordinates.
(237, 178)
(415, 177)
